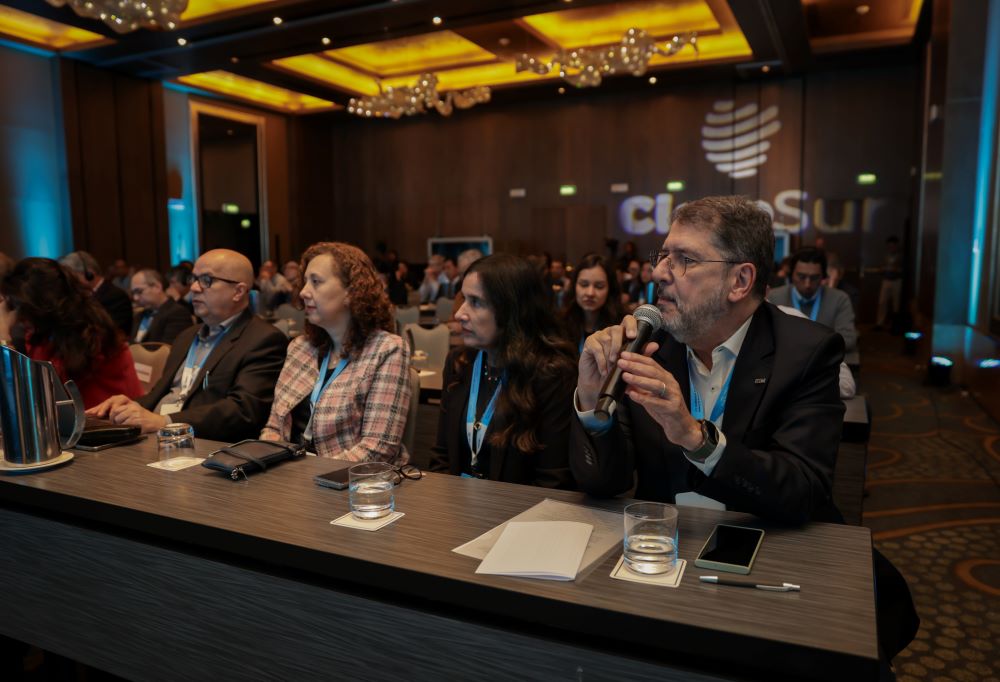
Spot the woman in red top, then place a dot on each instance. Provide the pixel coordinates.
(65, 325)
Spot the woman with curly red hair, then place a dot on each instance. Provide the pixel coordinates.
(345, 388)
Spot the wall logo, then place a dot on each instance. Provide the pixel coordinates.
(735, 141)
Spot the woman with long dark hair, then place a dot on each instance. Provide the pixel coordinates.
(595, 302)
(507, 399)
(65, 325)
(345, 386)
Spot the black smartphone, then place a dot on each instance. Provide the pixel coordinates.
(335, 479)
(731, 549)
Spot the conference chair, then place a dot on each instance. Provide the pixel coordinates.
(405, 316)
(149, 359)
(434, 342)
(410, 430)
(288, 327)
(444, 308)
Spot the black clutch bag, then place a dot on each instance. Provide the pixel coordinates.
(251, 455)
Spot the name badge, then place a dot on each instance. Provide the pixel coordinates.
(167, 409)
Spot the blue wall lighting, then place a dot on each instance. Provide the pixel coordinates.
(989, 363)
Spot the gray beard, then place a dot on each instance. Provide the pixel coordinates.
(689, 322)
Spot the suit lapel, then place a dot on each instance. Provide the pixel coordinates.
(222, 347)
(751, 375)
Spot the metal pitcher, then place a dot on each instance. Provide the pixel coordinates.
(34, 403)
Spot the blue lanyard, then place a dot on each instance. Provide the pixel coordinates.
(321, 384)
(147, 319)
(798, 301)
(698, 408)
(474, 427)
(649, 292)
(190, 368)
(582, 340)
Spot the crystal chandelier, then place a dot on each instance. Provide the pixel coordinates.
(585, 67)
(417, 99)
(125, 16)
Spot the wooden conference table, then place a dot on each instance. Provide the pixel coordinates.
(158, 575)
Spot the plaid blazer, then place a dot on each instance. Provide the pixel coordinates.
(361, 415)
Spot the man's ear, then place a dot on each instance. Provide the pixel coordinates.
(745, 274)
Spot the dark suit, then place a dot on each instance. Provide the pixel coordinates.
(169, 320)
(782, 433)
(235, 400)
(118, 305)
(547, 467)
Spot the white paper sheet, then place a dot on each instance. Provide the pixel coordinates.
(549, 550)
(607, 535)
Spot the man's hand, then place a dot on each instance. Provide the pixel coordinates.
(120, 410)
(102, 410)
(659, 394)
(597, 361)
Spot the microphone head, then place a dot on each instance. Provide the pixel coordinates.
(649, 314)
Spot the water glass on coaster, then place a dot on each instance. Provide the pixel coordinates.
(175, 440)
(371, 487)
(650, 537)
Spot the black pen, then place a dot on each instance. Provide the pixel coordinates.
(716, 580)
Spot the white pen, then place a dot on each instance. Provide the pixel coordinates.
(783, 587)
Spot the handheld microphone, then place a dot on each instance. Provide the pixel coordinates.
(649, 319)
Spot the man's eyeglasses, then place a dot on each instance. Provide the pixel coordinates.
(407, 471)
(680, 266)
(206, 281)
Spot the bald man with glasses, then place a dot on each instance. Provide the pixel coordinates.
(220, 375)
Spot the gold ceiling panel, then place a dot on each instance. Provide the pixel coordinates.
(605, 24)
(412, 55)
(837, 25)
(460, 63)
(256, 92)
(199, 9)
(44, 33)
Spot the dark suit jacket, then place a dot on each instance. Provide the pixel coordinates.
(782, 434)
(170, 320)
(118, 305)
(549, 467)
(242, 371)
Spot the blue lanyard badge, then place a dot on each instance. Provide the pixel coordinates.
(195, 359)
(698, 408)
(320, 384)
(798, 301)
(475, 430)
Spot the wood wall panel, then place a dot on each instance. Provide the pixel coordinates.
(115, 165)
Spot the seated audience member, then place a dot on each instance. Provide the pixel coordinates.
(120, 274)
(557, 283)
(505, 404)
(65, 325)
(220, 375)
(845, 379)
(162, 318)
(596, 303)
(396, 287)
(735, 401)
(274, 288)
(179, 284)
(293, 274)
(452, 278)
(830, 307)
(434, 279)
(345, 386)
(643, 289)
(115, 300)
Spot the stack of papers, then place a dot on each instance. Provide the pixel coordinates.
(549, 550)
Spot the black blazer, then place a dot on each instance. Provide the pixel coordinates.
(242, 369)
(170, 320)
(782, 424)
(549, 467)
(117, 303)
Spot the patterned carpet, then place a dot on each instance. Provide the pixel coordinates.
(933, 506)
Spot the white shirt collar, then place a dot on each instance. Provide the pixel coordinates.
(733, 345)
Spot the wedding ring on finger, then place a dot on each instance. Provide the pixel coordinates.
(663, 390)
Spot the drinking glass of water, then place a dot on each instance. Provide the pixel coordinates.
(175, 440)
(650, 537)
(371, 487)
